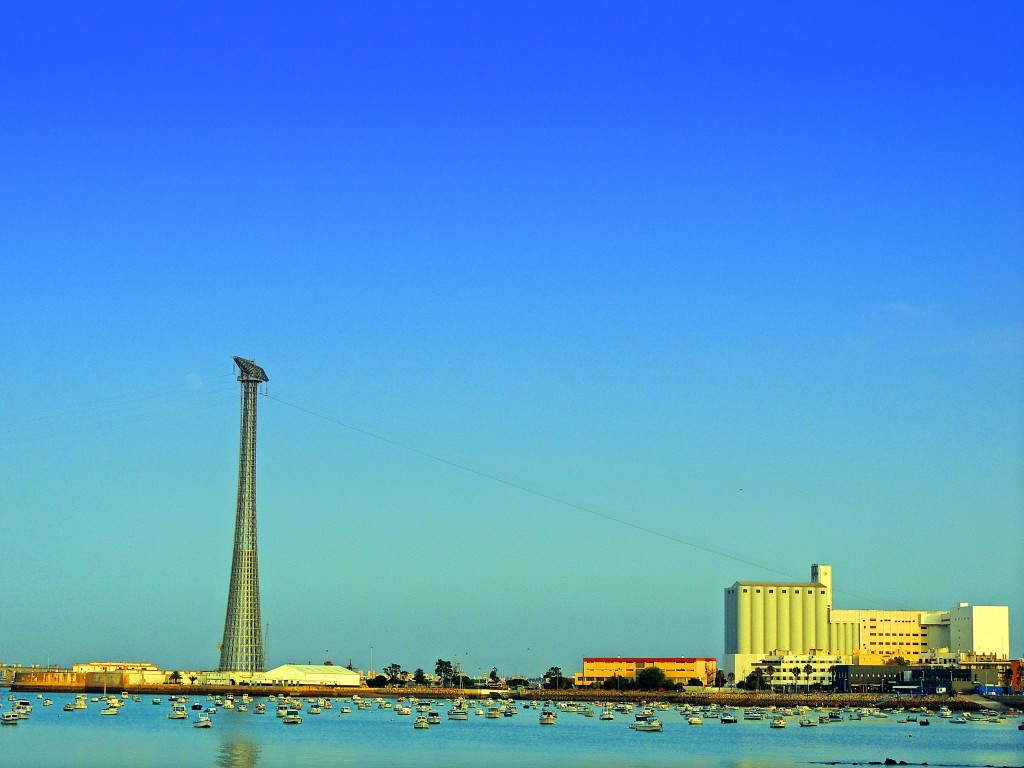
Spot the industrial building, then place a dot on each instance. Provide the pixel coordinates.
(782, 619)
(678, 670)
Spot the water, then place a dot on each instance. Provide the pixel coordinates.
(142, 735)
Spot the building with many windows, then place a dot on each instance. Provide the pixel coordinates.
(780, 619)
(678, 669)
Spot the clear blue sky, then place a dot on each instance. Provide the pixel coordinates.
(748, 278)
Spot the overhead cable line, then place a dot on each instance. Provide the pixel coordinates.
(381, 435)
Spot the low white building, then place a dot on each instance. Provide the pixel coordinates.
(788, 672)
(310, 674)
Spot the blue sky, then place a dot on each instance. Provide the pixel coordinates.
(746, 278)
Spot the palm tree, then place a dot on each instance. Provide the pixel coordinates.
(770, 671)
(758, 676)
(796, 677)
(807, 673)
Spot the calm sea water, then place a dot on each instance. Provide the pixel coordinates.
(142, 735)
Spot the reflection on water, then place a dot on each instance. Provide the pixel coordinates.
(238, 754)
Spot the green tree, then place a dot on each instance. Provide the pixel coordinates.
(897, 661)
(444, 670)
(796, 677)
(419, 677)
(192, 679)
(616, 683)
(174, 677)
(731, 678)
(651, 679)
(377, 682)
(493, 674)
(719, 679)
(807, 674)
(393, 672)
(553, 678)
(769, 673)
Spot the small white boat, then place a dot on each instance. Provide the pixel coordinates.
(203, 721)
(808, 723)
(727, 718)
(434, 717)
(647, 724)
(778, 722)
(607, 715)
(292, 717)
(178, 712)
(344, 711)
(547, 717)
(9, 718)
(69, 707)
(110, 711)
(260, 708)
(421, 722)
(696, 720)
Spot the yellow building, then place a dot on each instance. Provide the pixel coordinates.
(679, 670)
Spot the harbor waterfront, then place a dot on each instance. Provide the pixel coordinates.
(725, 698)
(378, 732)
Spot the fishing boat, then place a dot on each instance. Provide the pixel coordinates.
(778, 722)
(421, 722)
(178, 712)
(547, 717)
(292, 717)
(203, 721)
(9, 718)
(647, 724)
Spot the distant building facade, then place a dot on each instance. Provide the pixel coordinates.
(794, 672)
(779, 619)
(679, 670)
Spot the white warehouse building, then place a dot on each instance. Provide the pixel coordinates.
(310, 674)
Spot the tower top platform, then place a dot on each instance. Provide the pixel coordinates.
(250, 371)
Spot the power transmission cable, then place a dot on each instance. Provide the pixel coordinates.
(383, 436)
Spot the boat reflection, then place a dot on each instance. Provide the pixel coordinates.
(238, 754)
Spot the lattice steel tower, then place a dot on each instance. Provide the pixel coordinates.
(242, 648)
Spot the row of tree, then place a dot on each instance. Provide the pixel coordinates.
(446, 672)
(760, 679)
